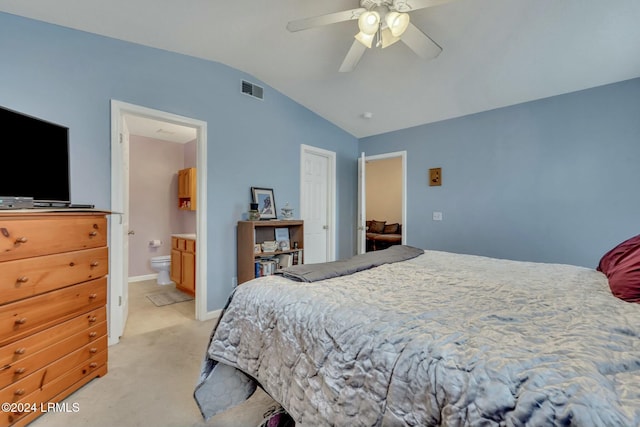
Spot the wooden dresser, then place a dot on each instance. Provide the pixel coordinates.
(53, 319)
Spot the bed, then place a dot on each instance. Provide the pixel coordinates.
(438, 339)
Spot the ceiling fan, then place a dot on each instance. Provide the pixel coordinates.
(386, 21)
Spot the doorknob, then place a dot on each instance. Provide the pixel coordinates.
(325, 227)
(131, 232)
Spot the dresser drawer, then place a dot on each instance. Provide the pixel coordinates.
(23, 278)
(23, 237)
(47, 374)
(58, 389)
(22, 349)
(11, 373)
(21, 318)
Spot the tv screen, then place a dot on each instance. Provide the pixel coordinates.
(34, 159)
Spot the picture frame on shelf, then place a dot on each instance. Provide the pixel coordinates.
(282, 237)
(266, 202)
(283, 245)
(257, 248)
(281, 233)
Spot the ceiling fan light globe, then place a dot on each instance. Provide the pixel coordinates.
(387, 38)
(397, 22)
(365, 39)
(368, 22)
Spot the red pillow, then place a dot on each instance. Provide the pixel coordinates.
(621, 265)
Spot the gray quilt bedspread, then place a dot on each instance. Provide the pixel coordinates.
(442, 339)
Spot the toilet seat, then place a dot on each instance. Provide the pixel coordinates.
(162, 258)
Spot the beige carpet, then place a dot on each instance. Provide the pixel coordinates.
(151, 380)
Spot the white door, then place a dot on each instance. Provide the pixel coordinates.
(118, 262)
(316, 204)
(362, 204)
(125, 224)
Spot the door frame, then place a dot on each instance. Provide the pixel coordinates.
(362, 195)
(118, 278)
(331, 193)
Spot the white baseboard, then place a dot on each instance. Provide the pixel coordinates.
(212, 314)
(153, 276)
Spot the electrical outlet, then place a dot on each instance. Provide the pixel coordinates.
(437, 216)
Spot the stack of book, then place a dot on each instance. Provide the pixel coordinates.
(266, 266)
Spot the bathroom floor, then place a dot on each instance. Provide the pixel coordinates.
(145, 317)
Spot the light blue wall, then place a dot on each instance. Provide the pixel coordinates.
(69, 77)
(555, 180)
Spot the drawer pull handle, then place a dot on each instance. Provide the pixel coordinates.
(21, 321)
(20, 350)
(22, 279)
(20, 371)
(93, 296)
(93, 350)
(93, 334)
(93, 365)
(21, 240)
(93, 234)
(94, 264)
(92, 319)
(19, 392)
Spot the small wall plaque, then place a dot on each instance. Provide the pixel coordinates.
(435, 177)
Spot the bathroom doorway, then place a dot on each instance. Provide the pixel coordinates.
(157, 137)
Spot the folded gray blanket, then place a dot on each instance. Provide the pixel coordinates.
(328, 270)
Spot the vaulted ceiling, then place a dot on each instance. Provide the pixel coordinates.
(495, 52)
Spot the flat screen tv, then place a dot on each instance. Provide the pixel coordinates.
(34, 159)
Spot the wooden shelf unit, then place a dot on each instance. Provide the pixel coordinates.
(187, 189)
(251, 233)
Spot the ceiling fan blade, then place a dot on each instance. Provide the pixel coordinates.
(331, 18)
(353, 57)
(420, 43)
(409, 5)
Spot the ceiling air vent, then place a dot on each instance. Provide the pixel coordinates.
(251, 89)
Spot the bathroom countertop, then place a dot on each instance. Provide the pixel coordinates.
(191, 236)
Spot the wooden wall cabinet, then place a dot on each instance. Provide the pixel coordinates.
(53, 318)
(183, 264)
(187, 189)
(251, 233)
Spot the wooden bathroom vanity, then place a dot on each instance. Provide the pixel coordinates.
(183, 262)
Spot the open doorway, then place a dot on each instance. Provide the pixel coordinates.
(126, 117)
(384, 203)
(382, 191)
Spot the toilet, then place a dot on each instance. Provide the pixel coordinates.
(162, 264)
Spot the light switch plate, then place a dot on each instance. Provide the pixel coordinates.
(437, 216)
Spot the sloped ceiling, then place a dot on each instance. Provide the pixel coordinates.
(495, 52)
